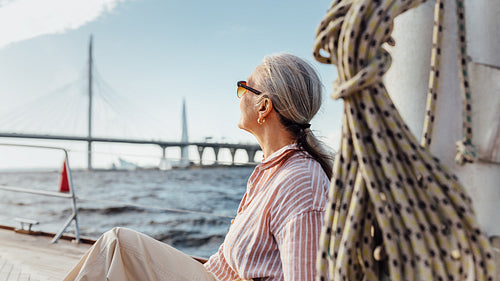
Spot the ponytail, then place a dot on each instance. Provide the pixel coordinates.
(306, 141)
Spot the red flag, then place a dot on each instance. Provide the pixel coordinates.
(64, 183)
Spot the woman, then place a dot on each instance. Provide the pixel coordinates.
(276, 231)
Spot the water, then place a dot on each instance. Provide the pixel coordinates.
(103, 196)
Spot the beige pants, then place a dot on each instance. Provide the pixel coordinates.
(122, 254)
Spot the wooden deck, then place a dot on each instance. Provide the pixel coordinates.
(26, 257)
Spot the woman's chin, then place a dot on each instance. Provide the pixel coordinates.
(244, 128)
(241, 126)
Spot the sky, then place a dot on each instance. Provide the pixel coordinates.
(149, 56)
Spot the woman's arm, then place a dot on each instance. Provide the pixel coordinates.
(298, 245)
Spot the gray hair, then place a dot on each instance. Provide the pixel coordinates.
(296, 92)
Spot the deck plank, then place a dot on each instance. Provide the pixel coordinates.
(3, 267)
(27, 257)
(6, 269)
(24, 277)
(14, 273)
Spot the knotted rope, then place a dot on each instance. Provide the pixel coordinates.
(466, 152)
(394, 211)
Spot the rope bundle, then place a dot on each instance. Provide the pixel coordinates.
(394, 211)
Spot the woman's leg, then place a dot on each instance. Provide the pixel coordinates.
(122, 254)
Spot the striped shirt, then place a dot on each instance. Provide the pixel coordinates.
(275, 234)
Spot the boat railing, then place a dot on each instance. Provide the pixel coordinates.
(71, 195)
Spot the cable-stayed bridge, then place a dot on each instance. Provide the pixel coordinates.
(90, 95)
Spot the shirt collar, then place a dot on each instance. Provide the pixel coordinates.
(278, 156)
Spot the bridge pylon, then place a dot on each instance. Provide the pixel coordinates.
(89, 159)
(184, 149)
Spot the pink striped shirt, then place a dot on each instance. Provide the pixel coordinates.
(275, 234)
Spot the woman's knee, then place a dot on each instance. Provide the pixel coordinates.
(117, 234)
(126, 237)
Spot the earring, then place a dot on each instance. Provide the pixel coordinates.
(261, 121)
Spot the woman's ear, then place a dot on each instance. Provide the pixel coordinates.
(265, 108)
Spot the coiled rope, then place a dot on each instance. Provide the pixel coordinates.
(466, 152)
(394, 211)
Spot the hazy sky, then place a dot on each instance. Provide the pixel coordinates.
(149, 55)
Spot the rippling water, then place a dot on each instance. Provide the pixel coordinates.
(104, 195)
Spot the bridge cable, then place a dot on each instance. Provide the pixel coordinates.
(125, 110)
(22, 117)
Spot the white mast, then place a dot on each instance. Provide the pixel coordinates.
(407, 82)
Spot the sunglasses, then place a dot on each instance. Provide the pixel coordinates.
(242, 88)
